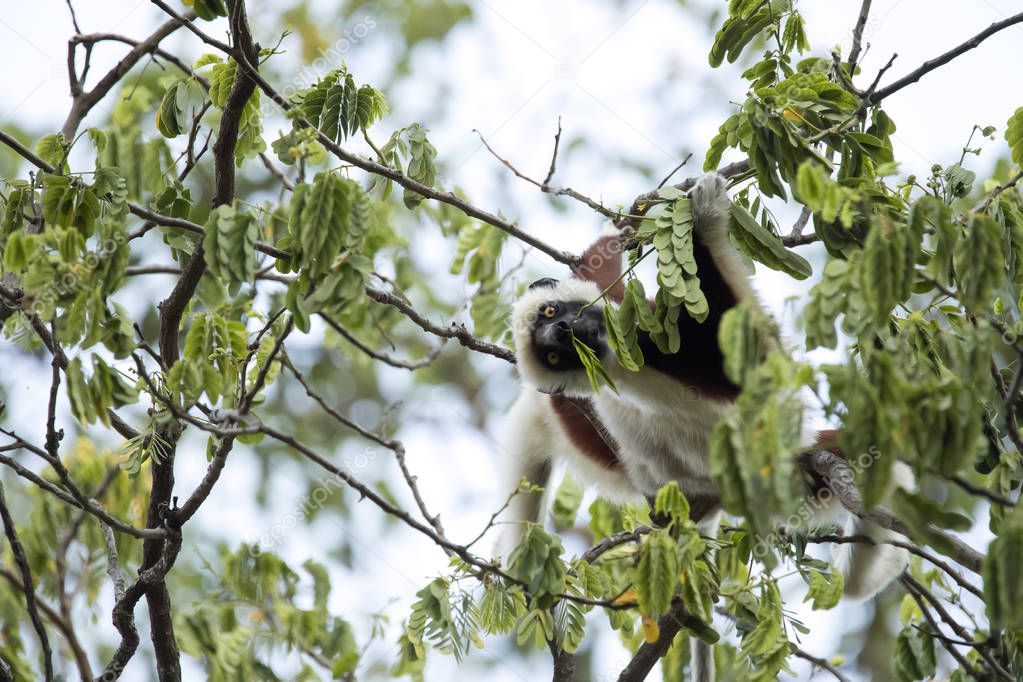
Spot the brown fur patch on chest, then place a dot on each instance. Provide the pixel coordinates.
(583, 433)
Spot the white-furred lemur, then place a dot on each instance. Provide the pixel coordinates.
(656, 428)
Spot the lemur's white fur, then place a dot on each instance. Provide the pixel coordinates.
(661, 426)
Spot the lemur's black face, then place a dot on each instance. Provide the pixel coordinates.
(554, 325)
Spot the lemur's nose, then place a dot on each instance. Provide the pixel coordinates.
(562, 331)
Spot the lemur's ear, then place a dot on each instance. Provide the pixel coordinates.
(545, 282)
(601, 264)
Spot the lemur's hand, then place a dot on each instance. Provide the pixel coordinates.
(711, 206)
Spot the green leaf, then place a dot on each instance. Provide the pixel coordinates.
(671, 502)
(566, 502)
(171, 118)
(595, 371)
(825, 588)
(53, 150)
(208, 10)
(915, 508)
(338, 109)
(743, 337)
(827, 300)
(500, 608)
(738, 31)
(980, 262)
(1003, 590)
(537, 562)
(887, 269)
(229, 243)
(766, 247)
(914, 655)
(623, 332)
(78, 393)
(1014, 136)
(656, 574)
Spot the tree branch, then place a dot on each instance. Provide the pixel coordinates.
(837, 475)
(377, 355)
(452, 331)
(83, 102)
(941, 60)
(861, 23)
(649, 653)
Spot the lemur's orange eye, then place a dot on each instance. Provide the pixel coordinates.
(553, 358)
(550, 311)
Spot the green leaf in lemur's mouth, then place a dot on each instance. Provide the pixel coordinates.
(595, 371)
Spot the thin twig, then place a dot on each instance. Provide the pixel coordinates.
(918, 597)
(821, 663)
(674, 170)
(383, 357)
(554, 156)
(93, 507)
(980, 491)
(941, 60)
(83, 102)
(547, 189)
(1007, 185)
(393, 445)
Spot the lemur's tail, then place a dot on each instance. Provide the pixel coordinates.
(528, 458)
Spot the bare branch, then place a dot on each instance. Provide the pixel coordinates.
(123, 616)
(393, 445)
(912, 549)
(821, 663)
(980, 491)
(546, 188)
(674, 170)
(452, 331)
(836, 474)
(383, 357)
(205, 487)
(941, 60)
(83, 102)
(861, 23)
(113, 563)
(1007, 185)
(554, 155)
(612, 541)
(87, 39)
(956, 654)
(92, 507)
(74, 18)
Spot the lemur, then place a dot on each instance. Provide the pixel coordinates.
(656, 427)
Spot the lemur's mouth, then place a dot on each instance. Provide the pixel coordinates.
(587, 326)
